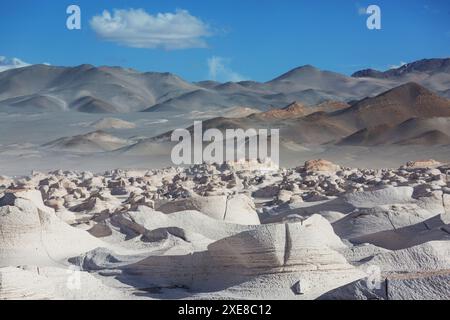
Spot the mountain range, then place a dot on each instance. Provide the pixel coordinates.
(86, 88)
(407, 114)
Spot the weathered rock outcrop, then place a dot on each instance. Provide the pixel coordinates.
(33, 234)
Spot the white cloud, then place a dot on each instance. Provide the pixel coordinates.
(362, 11)
(398, 66)
(139, 29)
(219, 71)
(11, 63)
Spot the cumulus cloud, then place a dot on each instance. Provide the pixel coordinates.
(401, 64)
(220, 71)
(138, 29)
(11, 63)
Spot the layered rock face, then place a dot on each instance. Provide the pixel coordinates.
(218, 231)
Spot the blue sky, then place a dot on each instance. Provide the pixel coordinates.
(230, 39)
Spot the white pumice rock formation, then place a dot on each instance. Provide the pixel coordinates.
(235, 230)
(238, 209)
(32, 233)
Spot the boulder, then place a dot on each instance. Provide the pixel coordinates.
(423, 164)
(33, 234)
(238, 209)
(320, 166)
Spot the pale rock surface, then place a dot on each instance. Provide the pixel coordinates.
(282, 250)
(33, 234)
(227, 231)
(423, 164)
(238, 209)
(416, 273)
(321, 166)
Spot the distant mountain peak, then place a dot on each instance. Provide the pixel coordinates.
(306, 70)
(85, 66)
(410, 89)
(368, 73)
(398, 105)
(11, 63)
(118, 89)
(429, 66)
(305, 67)
(406, 94)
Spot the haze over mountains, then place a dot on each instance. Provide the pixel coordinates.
(90, 89)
